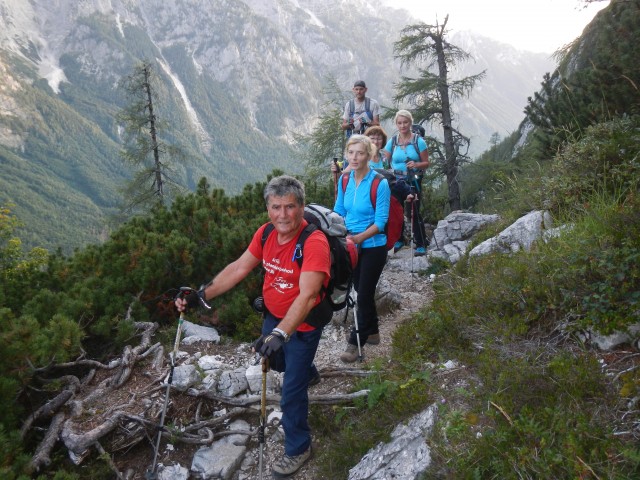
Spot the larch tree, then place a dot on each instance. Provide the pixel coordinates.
(151, 184)
(431, 94)
(326, 142)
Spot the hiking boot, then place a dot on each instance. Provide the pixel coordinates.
(350, 355)
(287, 465)
(420, 251)
(373, 339)
(315, 379)
(397, 246)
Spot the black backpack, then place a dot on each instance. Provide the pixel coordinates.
(344, 253)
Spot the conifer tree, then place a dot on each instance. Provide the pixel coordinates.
(143, 148)
(327, 140)
(596, 80)
(432, 92)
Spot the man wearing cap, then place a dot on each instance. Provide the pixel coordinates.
(360, 112)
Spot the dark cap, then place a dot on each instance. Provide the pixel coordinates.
(359, 83)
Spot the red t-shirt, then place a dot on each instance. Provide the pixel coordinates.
(282, 272)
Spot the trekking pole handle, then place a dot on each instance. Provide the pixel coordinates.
(184, 291)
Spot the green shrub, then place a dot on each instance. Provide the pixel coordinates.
(543, 408)
(598, 266)
(604, 162)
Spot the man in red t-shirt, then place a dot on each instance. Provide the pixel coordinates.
(293, 297)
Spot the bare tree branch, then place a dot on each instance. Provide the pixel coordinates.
(41, 456)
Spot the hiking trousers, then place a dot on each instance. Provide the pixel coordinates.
(419, 234)
(365, 279)
(295, 359)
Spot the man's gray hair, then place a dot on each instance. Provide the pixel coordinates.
(282, 186)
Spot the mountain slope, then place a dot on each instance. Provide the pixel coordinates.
(236, 82)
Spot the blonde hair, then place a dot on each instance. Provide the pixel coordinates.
(403, 113)
(366, 141)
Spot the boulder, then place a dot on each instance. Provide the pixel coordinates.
(520, 235)
(405, 457)
(452, 236)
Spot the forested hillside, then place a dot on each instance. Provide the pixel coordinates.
(237, 82)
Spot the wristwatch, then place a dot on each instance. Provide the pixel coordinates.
(284, 334)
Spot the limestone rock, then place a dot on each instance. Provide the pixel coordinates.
(185, 376)
(520, 235)
(193, 333)
(404, 457)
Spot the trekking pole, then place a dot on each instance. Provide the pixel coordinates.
(411, 240)
(350, 304)
(355, 321)
(335, 180)
(419, 218)
(263, 413)
(152, 474)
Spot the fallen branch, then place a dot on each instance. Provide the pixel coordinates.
(622, 372)
(79, 363)
(49, 408)
(338, 398)
(275, 399)
(584, 464)
(344, 372)
(41, 457)
(184, 435)
(504, 414)
(214, 422)
(78, 443)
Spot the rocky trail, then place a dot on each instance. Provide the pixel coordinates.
(400, 295)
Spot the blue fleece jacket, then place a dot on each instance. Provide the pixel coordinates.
(354, 204)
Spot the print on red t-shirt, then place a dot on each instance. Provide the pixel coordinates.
(282, 273)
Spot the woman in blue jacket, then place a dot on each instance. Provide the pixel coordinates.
(408, 155)
(365, 223)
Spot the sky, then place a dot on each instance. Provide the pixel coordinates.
(533, 25)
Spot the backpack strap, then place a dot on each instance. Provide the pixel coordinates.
(266, 232)
(373, 193)
(414, 141)
(352, 106)
(416, 137)
(345, 181)
(304, 234)
(306, 231)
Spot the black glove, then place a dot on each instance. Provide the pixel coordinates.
(272, 343)
(194, 298)
(257, 344)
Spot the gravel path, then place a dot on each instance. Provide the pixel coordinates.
(414, 294)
